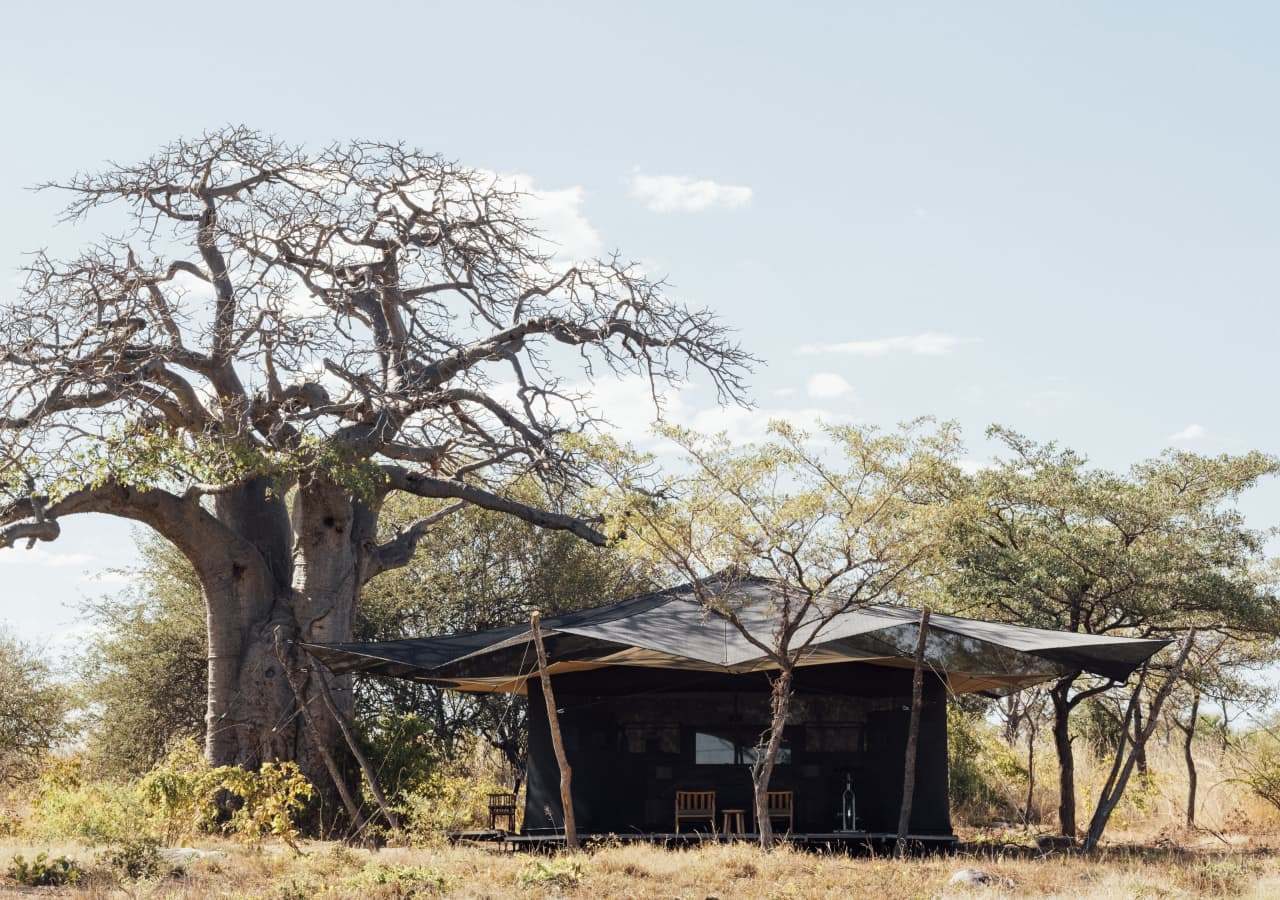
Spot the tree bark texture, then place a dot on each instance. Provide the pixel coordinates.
(1124, 764)
(913, 738)
(762, 766)
(1188, 743)
(557, 742)
(1066, 757)
(297, 568)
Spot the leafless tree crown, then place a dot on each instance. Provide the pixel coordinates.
(368, 298)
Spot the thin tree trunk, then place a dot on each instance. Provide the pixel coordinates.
(1140, 752)
(557, 743)
(371, 776)
(762, 767)
(913, 738)
(1192, 775)
(1118, 779)
(339, 781)
(1031, 773)
(1066, 758)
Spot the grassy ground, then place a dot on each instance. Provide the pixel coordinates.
(1197, 866)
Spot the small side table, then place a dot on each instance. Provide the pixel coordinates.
(735, 821)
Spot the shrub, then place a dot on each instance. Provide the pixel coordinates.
(557, 873)
(987, 778)
(447, 802)
(65, 804)
(137, 859)
(399, 881)
(179, 794)
(269, 800)
(180, 797)
(45, 872)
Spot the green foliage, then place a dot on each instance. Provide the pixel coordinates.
(555, 873)
(45, 872)
(854, 514)
(453, 797)
(143, 454)
(408, 749)
(143, 674)
(983, 769)
(66, 804)
(1044, 539)
(269, 800)
(181, 796)
(398, 881)
(33, 710)
(184, 794)
(136, 858)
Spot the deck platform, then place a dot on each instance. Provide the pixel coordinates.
(833, 841)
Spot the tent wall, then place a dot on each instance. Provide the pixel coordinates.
(631, 737)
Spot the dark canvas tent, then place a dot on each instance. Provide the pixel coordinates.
(659, 695)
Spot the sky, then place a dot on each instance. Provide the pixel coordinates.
(1059, 217)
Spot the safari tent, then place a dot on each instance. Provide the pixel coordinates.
(657, 695)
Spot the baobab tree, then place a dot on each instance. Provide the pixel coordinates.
(277, 340)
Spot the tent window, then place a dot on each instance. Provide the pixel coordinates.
(714, 750)
(731, 750)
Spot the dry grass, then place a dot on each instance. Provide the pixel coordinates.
(1148, 855)
(736, 871)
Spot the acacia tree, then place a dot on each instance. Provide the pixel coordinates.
(833, 527)
(1218, 671)
(276, 341)
(1048, 541)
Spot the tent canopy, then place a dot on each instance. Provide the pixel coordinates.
(671, 629)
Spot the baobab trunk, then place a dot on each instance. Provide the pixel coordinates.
(297, 569)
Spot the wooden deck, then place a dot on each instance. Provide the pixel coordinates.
(833, 841)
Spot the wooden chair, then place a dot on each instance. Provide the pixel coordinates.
(781, 805)
(700, 805)
(502, 806)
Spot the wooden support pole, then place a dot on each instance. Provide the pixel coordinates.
(370, 776)
(913, 738)
(557, 743)
(344, 792)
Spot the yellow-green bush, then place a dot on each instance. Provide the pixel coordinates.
(454, 795)
(67, 804)
(181, 796)
(988, 780)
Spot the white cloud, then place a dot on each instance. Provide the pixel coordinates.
(928, 343)
(38, 556)
(826, 385)
(1189, 434)
(748, 426)
(680, 193)
(557, 213)
(628, 407)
